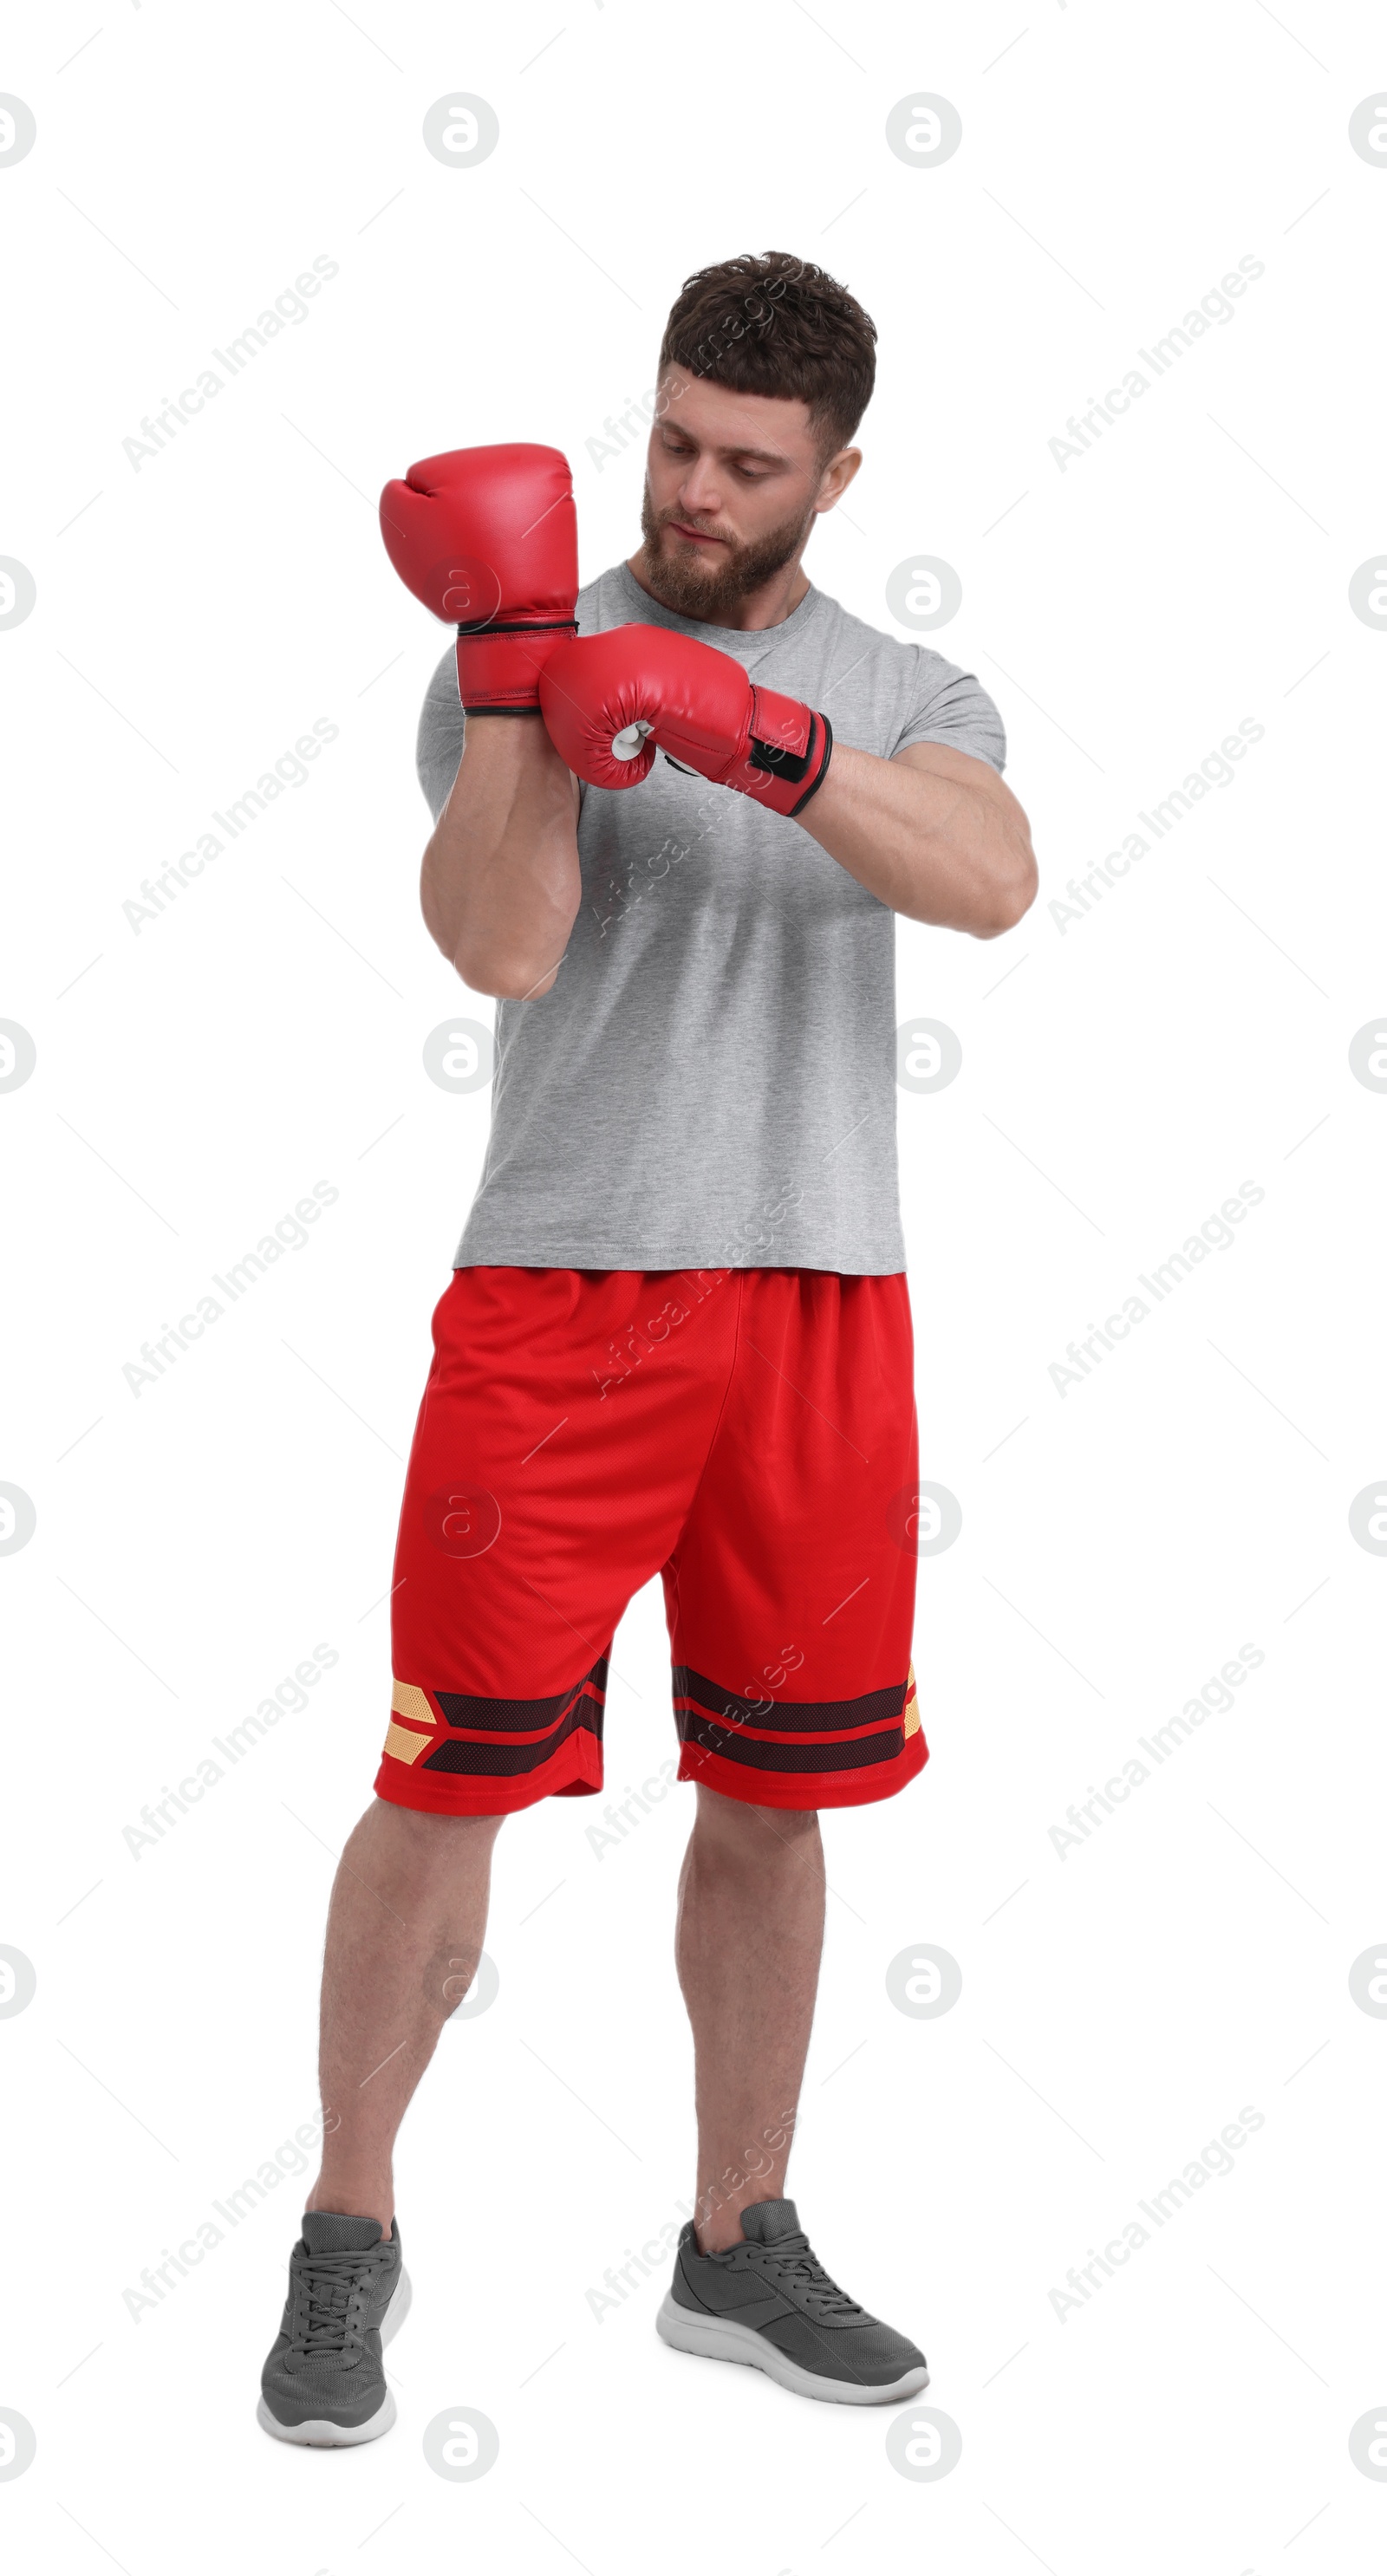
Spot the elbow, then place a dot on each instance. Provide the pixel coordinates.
(503, 974)
(1009, 897)
(492, 960)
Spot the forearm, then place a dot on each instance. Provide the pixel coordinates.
(933, 845)
(501, 885)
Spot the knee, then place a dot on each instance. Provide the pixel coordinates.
(424, 1846)
(415, 1824)
(754, 1834)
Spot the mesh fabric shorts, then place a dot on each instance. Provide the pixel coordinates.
(747, 1434)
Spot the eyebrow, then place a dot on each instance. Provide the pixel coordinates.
(762, 455)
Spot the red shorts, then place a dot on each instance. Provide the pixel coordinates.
(750, 1435)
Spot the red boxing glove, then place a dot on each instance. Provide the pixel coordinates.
(610, 700)
(487, 538)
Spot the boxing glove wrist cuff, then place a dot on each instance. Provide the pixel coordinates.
(499, 666)
(788, 751)
(805, 770)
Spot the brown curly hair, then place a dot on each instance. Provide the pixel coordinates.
(774, 324)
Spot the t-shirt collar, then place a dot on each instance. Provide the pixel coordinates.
(744, 644)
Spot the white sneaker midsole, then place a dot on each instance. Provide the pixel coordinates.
(722, 2339)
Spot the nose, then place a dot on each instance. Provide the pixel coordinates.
(699, 496)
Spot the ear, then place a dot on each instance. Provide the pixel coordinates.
(837, 475)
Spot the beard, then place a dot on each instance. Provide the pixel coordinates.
(683, 580)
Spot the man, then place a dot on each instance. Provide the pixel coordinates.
(677, 1337)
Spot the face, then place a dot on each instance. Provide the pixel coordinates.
(733, 485)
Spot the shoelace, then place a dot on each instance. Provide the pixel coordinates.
(795, 2255)
(326, 2283)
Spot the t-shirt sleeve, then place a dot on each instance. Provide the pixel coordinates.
(945, 704)
(442, 726)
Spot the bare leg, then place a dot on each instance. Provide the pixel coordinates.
(748, 1939)
(405, 1931)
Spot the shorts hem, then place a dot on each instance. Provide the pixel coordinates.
(804, 1789)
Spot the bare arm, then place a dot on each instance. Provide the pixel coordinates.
(501, 885)
(934, 833)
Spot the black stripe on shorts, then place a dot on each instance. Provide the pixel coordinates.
(789, 1717)
(581, 1707)
(515, 1716)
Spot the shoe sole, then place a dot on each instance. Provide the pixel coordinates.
(721, 2339)
(318, 2432)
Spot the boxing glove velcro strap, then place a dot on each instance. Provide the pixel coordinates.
(789, 743)
(793, 765)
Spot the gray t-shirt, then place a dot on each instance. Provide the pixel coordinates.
(711, 1080)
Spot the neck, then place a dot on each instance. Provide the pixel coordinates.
(776, 600)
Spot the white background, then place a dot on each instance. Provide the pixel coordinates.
(1121, 1077)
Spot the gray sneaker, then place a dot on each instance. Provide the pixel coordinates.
(324, 2382)
(771, 2303)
